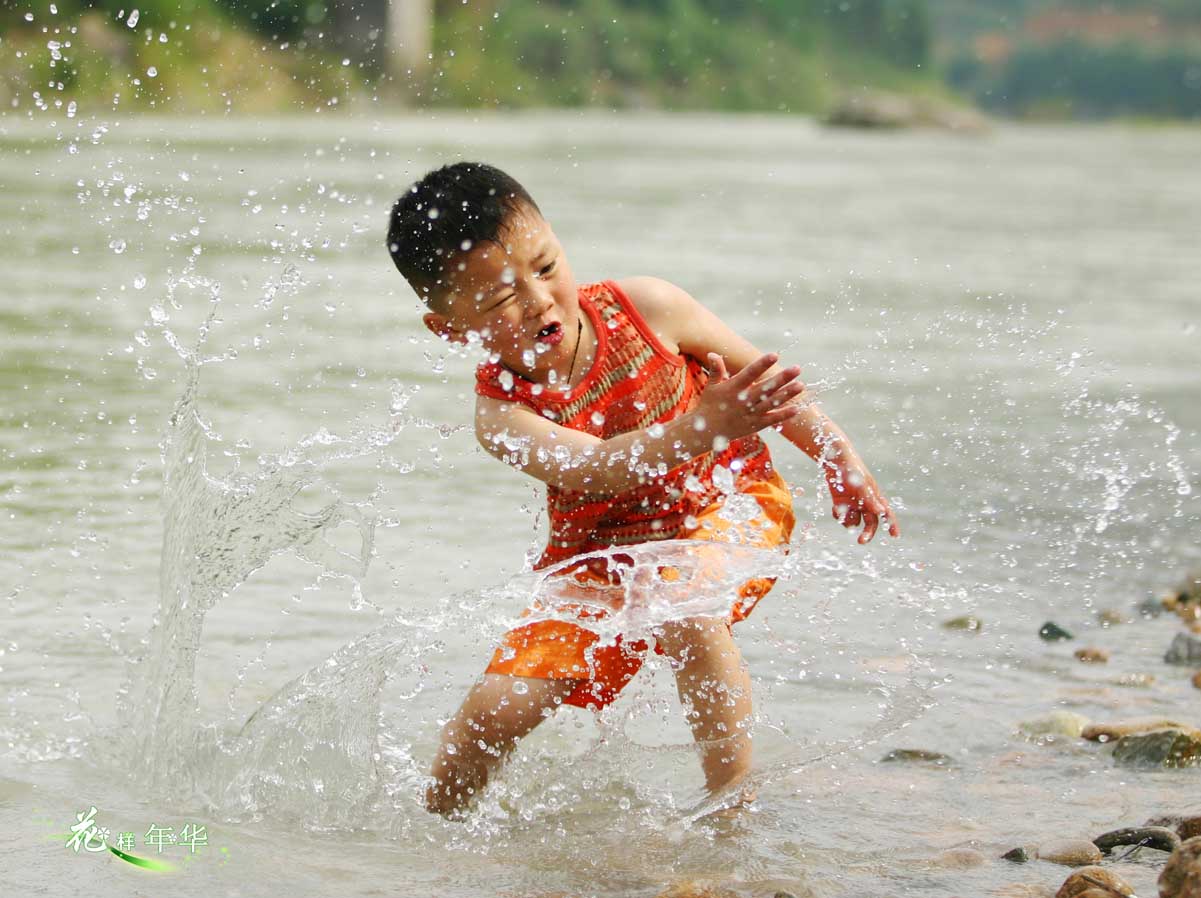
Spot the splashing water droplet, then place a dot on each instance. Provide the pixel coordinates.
(520, 688)
(117, 246)
(508, 276)
(132, 21)
(139, 282)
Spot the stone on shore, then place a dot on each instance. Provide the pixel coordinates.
(1070, 853)
(1052, 632)
(1181, 876)
(1056, 723)
(1158, 837)
(960, 859)
(1159, 748)
(968, 622)
(1088, 879)
(1185, 649)
(1104, 732)
(1091, 655)
(1189, 828)
(918, 756)
(1110, 617)
(882, 110)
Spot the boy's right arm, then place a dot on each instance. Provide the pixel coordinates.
(729, 408)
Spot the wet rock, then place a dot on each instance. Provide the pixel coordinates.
(960, 859)
(1160, 837)
(1135, 680)
(1150, 608)
(1104, 732)
(1070, 853)
(1109, 617)
(1171, 821)
(880, 109)
(1181, 877)
(966, 622)
(695, 890)
(917, 756)
(1019, 855)
(1185, 649)
(1024, 890)
(1189, 828)
(1197, 680)
(1091, 655)
(1057, 723)
(1052, 632)
(1159, 748)
(1094, 878)
(1189, 591)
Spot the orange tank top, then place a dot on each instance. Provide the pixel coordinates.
(635, 382)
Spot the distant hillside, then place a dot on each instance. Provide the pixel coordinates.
(774, 55)
(264, 55)
(1055, 59)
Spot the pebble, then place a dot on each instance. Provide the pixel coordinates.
(1092, 655)
(1159, 748)
(1104, 732)
(1109, 617)
(1189, 827)
(1181, 876)
(919, 755)
(1160, 837)
(1185, 649)
(1088, 879)
(1024, 890)
(1056, 723)
(1135, 680)
(960, 858)
(1070, 853)
(1150, 608)
(1018, 855)
(694, 890)
(967, 622)
(1197, 679)
(1052, 632)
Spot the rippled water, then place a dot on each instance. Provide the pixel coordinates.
(267, 639)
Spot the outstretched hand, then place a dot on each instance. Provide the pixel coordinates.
(742, 404)
(859, 500)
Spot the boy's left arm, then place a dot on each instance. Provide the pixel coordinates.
(683, 323)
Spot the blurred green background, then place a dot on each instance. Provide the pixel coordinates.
(1020, 58)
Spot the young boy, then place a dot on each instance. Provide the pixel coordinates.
(599, 391)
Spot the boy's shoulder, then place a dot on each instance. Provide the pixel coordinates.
(659, 302)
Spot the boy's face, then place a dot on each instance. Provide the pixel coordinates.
(519, 296)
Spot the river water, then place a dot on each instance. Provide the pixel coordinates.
(253, 557)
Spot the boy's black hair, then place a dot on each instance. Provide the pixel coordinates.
(451, 209)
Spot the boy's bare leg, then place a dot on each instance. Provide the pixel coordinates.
(489, 723)
(715, 689)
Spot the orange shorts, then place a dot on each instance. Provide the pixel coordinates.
(556, 649)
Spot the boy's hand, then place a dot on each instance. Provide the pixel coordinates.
(858, 499)
(738, 406)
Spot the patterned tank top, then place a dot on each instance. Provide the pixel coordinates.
(634, 383)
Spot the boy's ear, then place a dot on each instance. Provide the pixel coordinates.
(440, 326)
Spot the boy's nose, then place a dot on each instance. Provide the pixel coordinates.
(539, 304)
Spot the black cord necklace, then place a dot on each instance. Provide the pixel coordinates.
(576, 353)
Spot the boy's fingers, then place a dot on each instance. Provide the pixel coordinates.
(871, 523)
(770, 389)
(751, 372)
(717, 367)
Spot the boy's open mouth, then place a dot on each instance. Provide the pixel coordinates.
(551, 334)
